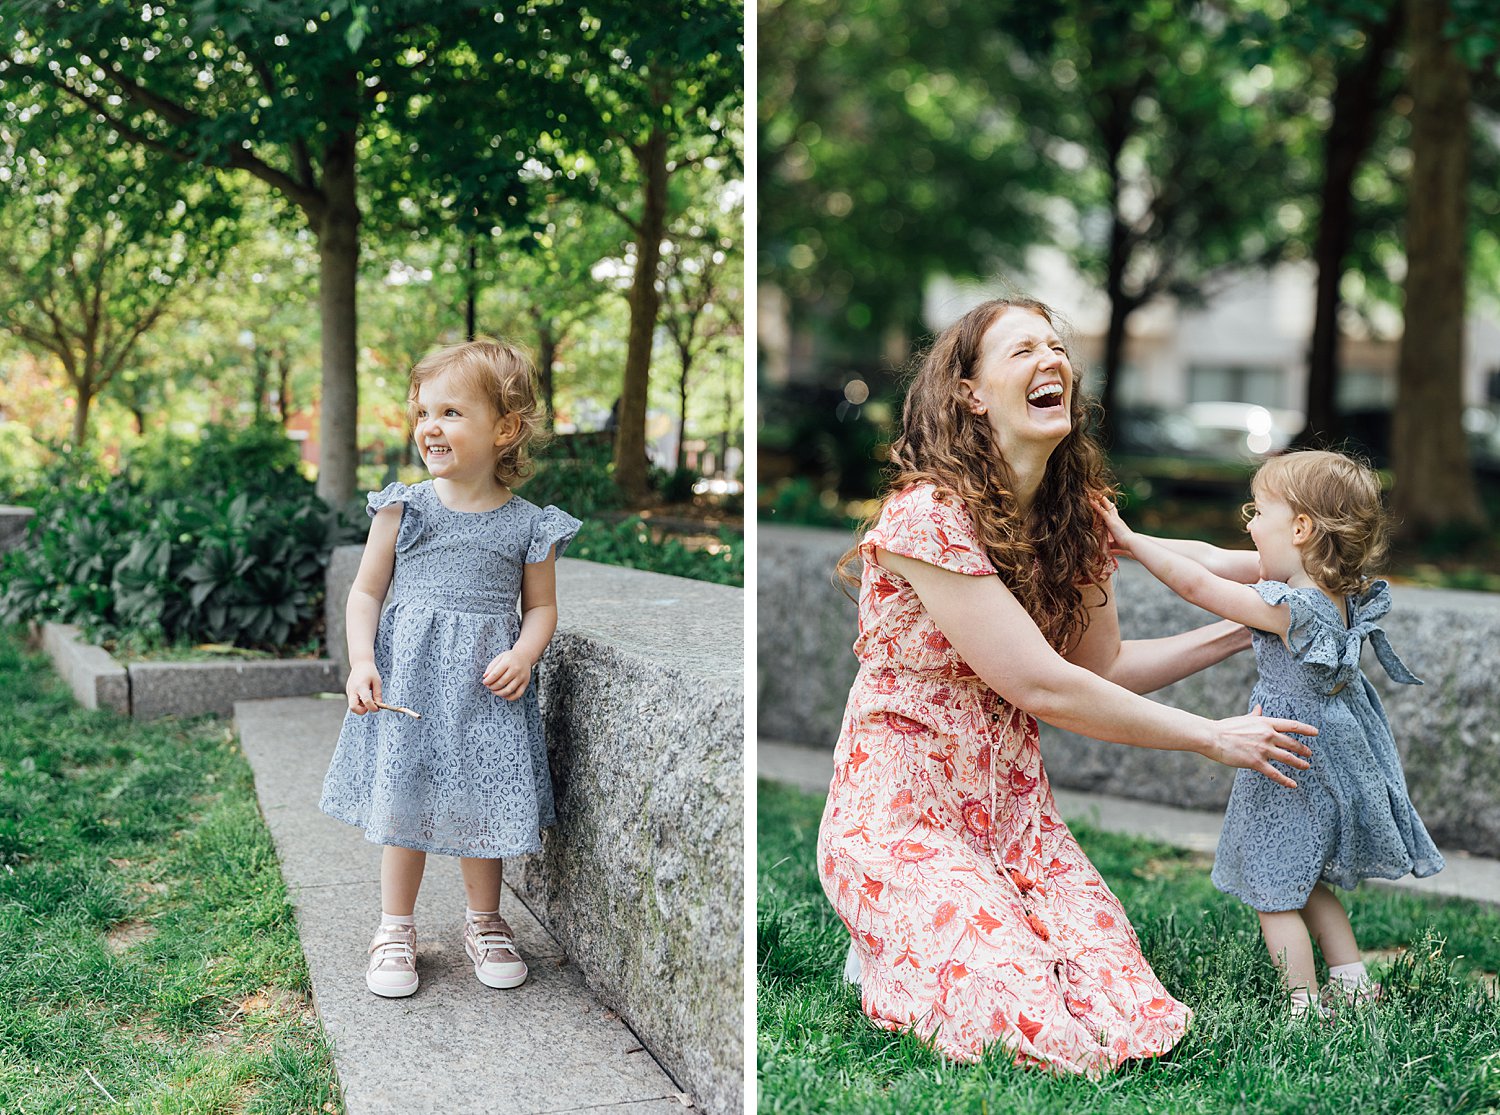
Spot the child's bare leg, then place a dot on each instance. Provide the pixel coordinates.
(1291, 951)
(482, 879)
(1329, 925)
(400, 877)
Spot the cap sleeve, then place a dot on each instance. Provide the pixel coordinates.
(411, 514)
(553, 527)
(919, 524)
(1306, 625)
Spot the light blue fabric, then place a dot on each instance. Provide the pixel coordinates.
(470, 778)
(1350, 817)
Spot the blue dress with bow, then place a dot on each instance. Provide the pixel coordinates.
(1350, 817)
(469, 778)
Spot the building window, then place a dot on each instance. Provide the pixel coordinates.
(1260, 384)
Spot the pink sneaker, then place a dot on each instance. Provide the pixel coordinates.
(392, 973)
(491, 947)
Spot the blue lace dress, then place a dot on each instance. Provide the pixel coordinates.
(470, 778)
(1350, 817)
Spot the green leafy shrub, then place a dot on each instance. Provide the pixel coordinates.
(576, 474)
(236, 554)
(677, 486)
(630, 543)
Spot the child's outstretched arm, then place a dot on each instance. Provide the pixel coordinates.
(1194, 582)
(509, 673)
(1242, 566)
(362, 613)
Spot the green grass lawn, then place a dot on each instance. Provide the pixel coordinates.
(1432, 1046)
(152, 953)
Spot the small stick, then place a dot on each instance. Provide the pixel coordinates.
(399, 708)
(101, 1087)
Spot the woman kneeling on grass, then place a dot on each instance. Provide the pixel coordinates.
(976, 918)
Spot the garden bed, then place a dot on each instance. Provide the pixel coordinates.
(148, 690)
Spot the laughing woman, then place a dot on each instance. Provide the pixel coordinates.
(984, 604)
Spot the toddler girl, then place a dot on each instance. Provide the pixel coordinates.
(1318, 527)
(468, 775)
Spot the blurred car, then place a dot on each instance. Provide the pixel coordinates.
(1211, 430)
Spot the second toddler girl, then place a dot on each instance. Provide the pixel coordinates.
(458, 552)
(1318, 527)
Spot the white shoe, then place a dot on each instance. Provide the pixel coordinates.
(392, 973)
(490, 945)
(852, 969)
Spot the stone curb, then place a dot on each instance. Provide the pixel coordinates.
(149, 690)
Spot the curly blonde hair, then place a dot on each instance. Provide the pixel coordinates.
(1341, 497)
(503, 375)
(1046, 555)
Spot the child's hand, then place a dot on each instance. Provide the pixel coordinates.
(1120, 535)
(363, 688)
(508, 674)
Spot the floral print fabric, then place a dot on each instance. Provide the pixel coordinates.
(975, 915)
(470, 778)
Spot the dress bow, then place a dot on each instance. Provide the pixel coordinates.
(1338, 652)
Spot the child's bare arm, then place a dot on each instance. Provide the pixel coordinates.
(1195, 583)
(362, 613)
(509, 673)
(1241, 566)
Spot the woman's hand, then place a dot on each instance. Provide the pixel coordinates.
(1253, 741)
(363, 688)
(508, 674)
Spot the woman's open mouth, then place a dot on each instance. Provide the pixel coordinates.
(1049, 396)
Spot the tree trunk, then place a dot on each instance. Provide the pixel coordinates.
(1429, 454)
(338, 263)
(645, 301)
(682, 394)
(1114, 130)
(546, 353)
(284, 386)
(471, 294)
(262, 362)
(1344, 147)
(84, 397)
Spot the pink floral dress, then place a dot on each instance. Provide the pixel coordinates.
(975, 915)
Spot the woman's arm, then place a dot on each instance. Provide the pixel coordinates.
(1145, 665)
(362, 612)
(1029, 674)
(1194, 583)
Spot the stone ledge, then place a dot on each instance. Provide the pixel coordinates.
(14, 522)
(194, 688)
(148, 690)
(96, 679)
(1447, 731)
(642, 695)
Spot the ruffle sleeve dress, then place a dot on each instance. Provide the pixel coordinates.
(469, 778)
(1350, 817)
(976, 917)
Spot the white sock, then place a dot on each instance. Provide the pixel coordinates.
(474, 915)
(1351, 977)
(406, 920)
(1303, 1000)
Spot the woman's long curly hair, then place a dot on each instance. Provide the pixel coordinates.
(1044, 556)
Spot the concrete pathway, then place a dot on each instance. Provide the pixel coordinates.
(455, 1046)
(1466, 876)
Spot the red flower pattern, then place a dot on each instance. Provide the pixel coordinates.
(938, 790)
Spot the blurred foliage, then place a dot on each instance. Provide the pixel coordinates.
(631, 543)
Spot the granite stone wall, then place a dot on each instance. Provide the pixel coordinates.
(642, 692)
(1448, 730)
